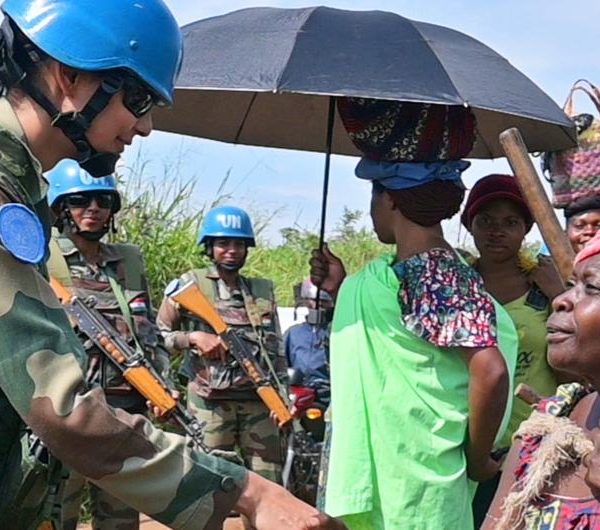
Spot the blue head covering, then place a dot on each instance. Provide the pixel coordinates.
(404, 175)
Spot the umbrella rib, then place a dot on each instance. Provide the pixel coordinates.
(243, 122)
(246, 114)
(309, 12)
(440, 62)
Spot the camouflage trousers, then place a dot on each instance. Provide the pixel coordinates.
(108, 512)
(242, 426)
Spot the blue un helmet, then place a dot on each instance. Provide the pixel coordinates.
(227, 221)
(68, 178)
(135, 43)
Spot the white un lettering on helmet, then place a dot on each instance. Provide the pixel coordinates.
(86, 178)
(229, 221)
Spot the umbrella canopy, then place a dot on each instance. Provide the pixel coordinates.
(258, 76)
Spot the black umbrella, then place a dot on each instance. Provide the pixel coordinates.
(258, 77)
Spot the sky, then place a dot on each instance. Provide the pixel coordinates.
(553, 42)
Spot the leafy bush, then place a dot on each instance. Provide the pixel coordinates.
(161, 219)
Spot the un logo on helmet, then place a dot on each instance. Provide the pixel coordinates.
(230, 221)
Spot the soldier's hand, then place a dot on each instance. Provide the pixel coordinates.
(270, 507)
(158, 414)
(275, 421)
(209, 345)
(326, 270)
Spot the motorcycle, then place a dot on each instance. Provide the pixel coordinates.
(303, 455)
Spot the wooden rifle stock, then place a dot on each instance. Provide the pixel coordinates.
(271, 398)
(137, 375)
(191, 298)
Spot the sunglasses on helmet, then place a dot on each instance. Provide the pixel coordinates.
(136, 98)
(83, 200)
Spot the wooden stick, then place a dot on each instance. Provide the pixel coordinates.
(538, 202)
(527, 394)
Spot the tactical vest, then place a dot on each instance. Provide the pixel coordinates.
(212, 377)
(64, 258)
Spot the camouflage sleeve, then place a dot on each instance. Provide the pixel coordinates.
(281, 363)
(41, 374)
(168, 320)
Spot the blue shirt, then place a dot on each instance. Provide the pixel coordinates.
(306, 349)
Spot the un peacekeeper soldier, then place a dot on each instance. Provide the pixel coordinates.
(220, 393)
(80, 80)
(114, 275)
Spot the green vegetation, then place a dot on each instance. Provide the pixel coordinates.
(162, 220)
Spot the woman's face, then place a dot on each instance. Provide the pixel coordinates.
(116, 126)
(381, 215)
(498, 230)
(90, 218)
(582, 227)
(574, 326)
(230, 251)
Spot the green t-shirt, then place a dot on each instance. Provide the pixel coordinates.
(399, 412)
(532, 363)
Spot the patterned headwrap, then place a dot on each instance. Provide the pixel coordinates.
(591, 249)
(408, 132)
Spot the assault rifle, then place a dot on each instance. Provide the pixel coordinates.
(132, 364)
(191, 298)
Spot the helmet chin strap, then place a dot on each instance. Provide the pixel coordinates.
(74, 125)
(14, 66)
(230, 268)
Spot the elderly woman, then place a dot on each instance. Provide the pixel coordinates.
(419, 386)
(546, 484)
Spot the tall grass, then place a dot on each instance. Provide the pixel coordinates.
(163, 221)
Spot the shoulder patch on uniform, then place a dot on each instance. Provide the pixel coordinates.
(22, 233)
(172, 287)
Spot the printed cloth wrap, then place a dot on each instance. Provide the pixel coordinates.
(396, 131)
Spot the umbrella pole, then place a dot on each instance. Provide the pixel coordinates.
(329, 142)
(320, 316)
(537, 200)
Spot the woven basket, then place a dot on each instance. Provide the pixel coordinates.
(575, 173)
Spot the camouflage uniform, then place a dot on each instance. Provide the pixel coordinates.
(125, 264)
(42, 384)
(221, 395)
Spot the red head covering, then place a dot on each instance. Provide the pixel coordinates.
(492, 188)
(592, 247)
